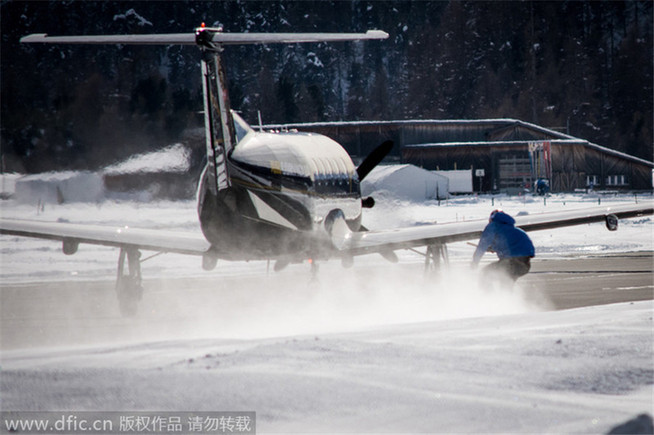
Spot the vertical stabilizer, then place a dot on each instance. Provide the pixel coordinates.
(218, 123)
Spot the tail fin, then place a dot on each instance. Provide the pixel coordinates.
(218, 122)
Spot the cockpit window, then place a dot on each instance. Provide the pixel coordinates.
(336, 184)
(241, 128)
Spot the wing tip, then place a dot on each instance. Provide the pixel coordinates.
(377, 34)
(34, 37)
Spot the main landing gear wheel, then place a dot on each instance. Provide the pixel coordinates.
(128, 286)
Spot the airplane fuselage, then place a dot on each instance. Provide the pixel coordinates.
(282, 187)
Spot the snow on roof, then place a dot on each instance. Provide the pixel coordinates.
(499, 122)
(554, 136)
(410, 173)
(573, 141)
(382, 172)
(175, 158)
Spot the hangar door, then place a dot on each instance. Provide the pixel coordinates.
(514, 172)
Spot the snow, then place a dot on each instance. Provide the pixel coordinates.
(304, 154)
(141, 21)
(312, 59)
(175, 158)
(581, 370)
(368, 349)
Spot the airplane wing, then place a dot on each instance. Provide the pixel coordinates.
(353, 243)
(358, 243)
(123, 237)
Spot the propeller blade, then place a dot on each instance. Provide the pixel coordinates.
(374, 158)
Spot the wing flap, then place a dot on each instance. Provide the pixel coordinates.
(404, 238)
(146, 239)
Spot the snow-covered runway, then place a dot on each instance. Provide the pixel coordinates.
(580, 370)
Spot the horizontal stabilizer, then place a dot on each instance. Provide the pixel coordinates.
(289, 38)
(162, 39)
(214, 36)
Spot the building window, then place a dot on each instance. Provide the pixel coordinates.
(592, 180)
(616, 180)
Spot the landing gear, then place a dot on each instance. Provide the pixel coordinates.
(435, 257)
(128, 286)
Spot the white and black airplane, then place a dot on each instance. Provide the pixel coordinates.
(286, 197)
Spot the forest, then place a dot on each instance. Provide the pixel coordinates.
(581, 67)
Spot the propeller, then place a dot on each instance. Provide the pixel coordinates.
(369, 163)
(374, 158)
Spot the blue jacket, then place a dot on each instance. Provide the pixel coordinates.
(501, 236)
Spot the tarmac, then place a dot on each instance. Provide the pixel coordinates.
(595, 280)
(85, 313)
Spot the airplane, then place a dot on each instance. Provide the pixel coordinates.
(281, 196)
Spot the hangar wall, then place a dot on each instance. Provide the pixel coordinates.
(501, 147)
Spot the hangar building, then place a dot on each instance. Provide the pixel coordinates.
(511, 154)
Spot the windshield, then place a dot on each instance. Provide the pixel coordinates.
(241, 128)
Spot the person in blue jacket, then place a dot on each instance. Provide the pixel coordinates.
(512, 245)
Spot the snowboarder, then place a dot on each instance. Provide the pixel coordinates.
(512, 245)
